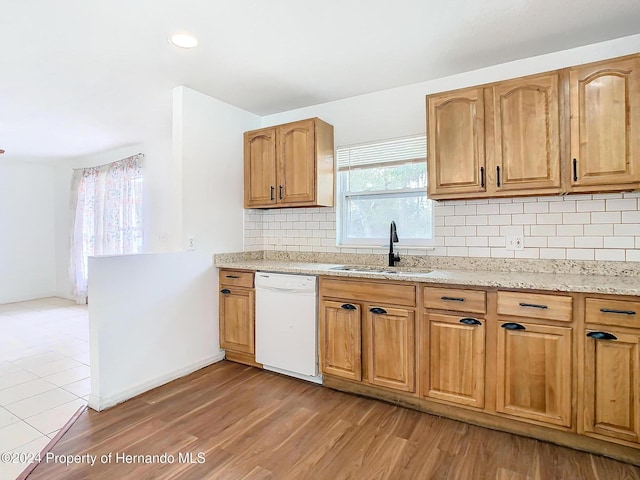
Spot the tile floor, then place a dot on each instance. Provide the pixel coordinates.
(44, 373)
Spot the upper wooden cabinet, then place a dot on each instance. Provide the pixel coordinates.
(605, 125)
(523, 135)
(456, 143)
(289, 165)
(567, 131)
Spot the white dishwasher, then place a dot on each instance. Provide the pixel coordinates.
(286, 324)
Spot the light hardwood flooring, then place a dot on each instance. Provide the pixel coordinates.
(253, 424)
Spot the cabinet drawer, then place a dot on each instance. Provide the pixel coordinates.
(236, 278)
(460, 300)
(623, 313)
(536, 305)
(380, 293)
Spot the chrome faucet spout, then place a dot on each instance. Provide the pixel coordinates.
(393, 238)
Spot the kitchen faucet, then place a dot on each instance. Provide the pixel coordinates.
(393, 238)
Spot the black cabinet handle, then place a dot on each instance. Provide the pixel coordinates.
(498, 176)
(452, 299)
(470, 321)
(281, 188)
(621, 312)
(273, 192)
(378, 311)
(601, 336)
(513, 326)
(348, 306)
(482, 176)
(575, 169)
(226, 291)
(533, 305)
(233, 276)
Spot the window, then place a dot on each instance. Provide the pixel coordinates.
(380, 182)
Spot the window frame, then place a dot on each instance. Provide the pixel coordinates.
(344, 195)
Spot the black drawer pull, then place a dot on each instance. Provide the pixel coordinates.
(621, 312)
(452, 299)
(513, 326)
(378, 311)
(226, 291)
(273, 189)
(482, 177)
(470, 321)
(233, 276)
(348, 306)
(601, 336)
(498, 176)
(575, 169)
(281, 188)
(533, 305)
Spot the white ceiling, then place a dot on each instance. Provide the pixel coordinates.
(83, 76)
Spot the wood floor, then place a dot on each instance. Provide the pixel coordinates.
(252, 424)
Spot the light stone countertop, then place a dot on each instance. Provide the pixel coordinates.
(560, 282)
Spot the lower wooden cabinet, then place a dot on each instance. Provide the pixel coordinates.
(237, 316)
(612, 383)
(390, 347)
(455, 348)
(341, 339)
(533, 378)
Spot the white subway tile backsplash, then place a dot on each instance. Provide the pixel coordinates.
(567, 206)
(581, 254)
(619, 242)
(622, 204)
(610, 255)
(507, 208)
(589, 242)
(577, 227)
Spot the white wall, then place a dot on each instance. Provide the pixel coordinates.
(162, 212)
(149, 321)
(27, 262)
(585, 227)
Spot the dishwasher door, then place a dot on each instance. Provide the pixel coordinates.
(286, 324)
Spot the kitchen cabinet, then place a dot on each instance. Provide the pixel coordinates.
(289, 165)
(390, 347)
(456, 153)
(523, 135)
(534, 358)
(341, 339)
(367, 332)
(453, 345)
(237, 316)
(612, 369)
(605, 125)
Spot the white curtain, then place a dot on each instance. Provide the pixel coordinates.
(106, 210)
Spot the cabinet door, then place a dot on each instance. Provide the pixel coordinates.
(612, 384)
(237, 319)
(390, 335)
(260, 168)
(456, 154)
(296, 162)
(534, 372)
(456, 359)
(605, 123)
(525, 154)
(340, 339)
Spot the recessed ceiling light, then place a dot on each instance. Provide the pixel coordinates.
(183, 40)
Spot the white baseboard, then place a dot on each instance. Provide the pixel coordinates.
(102, 403)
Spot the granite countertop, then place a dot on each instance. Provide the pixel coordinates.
(561, 282)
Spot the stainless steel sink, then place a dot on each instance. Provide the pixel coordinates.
(389, 270)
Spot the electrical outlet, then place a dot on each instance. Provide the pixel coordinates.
(191, 242)
(514, 242)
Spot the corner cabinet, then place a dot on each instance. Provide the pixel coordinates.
(236, 316)
(289, 165)
(605, 125)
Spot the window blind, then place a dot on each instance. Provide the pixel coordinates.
(389, 152)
